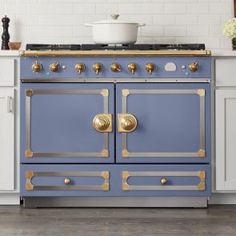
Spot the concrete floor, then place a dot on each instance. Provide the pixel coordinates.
(217, 220)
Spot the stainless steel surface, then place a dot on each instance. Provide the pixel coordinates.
(115, 202)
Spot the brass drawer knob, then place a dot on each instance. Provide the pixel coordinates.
(164, 181)
(67, 181)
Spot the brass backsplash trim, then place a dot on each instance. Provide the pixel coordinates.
(96, 53)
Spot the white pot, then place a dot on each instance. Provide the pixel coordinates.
(114, 31)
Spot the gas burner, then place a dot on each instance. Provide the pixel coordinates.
(87, 47)
(53, 47)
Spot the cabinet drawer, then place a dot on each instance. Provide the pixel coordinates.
(7, 72)
(225, 72)
(67, 180)
(167, 180)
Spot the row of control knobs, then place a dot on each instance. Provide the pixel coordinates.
(115, 67)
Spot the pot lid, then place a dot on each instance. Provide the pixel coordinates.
(114, 20)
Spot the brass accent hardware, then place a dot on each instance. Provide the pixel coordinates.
(126, 123)
(54, 67)
(125, 176)
(111, 53)
(125, 92)
(201, 92)
(67, 181)
(125, 153)
(105, 175)
(125, 186)
(80, 67)
(150, 67)
(29, 92)
(103, 123)
(37, 67)
(105, 187)
(163, 181)
(115, 67)
(202, 186)
(29, 174)
(202, 175)
(28, 153)
(105, 153)
(97, 67)
(201, 153)
(193, 67)
(28, 185)
(132, 67)
(105, 92)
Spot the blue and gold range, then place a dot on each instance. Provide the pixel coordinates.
(115, 127)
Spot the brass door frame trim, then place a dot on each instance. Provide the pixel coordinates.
(133, 53)
(29, 153)
(201, 186)
(105, 186)
(201, 153)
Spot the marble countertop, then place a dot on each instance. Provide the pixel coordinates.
(9, 53)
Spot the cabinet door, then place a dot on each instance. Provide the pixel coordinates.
(7, 72)
(67, 123)
(6, 139)
(163, 123)
(226, 140)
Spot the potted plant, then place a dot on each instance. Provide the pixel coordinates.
(229, 31)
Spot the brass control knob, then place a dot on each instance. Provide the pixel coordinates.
(132, 67)
(37, 67)
(80, 67)
(150, 67)
(115, 67)
(97, 67)
(163, 181)
(193, 66)
(67, 181)
(54, 67)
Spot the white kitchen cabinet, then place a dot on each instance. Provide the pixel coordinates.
(7, 155)
(9, 127)
(226, 139)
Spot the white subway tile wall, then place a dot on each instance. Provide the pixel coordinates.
(167, 21)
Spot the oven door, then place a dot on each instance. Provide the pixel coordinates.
(69, 123)
(163, 123)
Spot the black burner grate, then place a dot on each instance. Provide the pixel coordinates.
(86, 47)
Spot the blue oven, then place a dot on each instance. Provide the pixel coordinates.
(128, 132)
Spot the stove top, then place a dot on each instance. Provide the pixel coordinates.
(88, 47)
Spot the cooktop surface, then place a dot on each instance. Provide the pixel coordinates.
(87, 47)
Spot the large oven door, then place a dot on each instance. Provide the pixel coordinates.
(70, 123)
(163, 123)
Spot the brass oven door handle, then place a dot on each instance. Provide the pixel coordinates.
(127, 123)
(103, 123)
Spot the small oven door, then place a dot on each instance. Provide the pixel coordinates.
(163, 123)
(69, 123)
